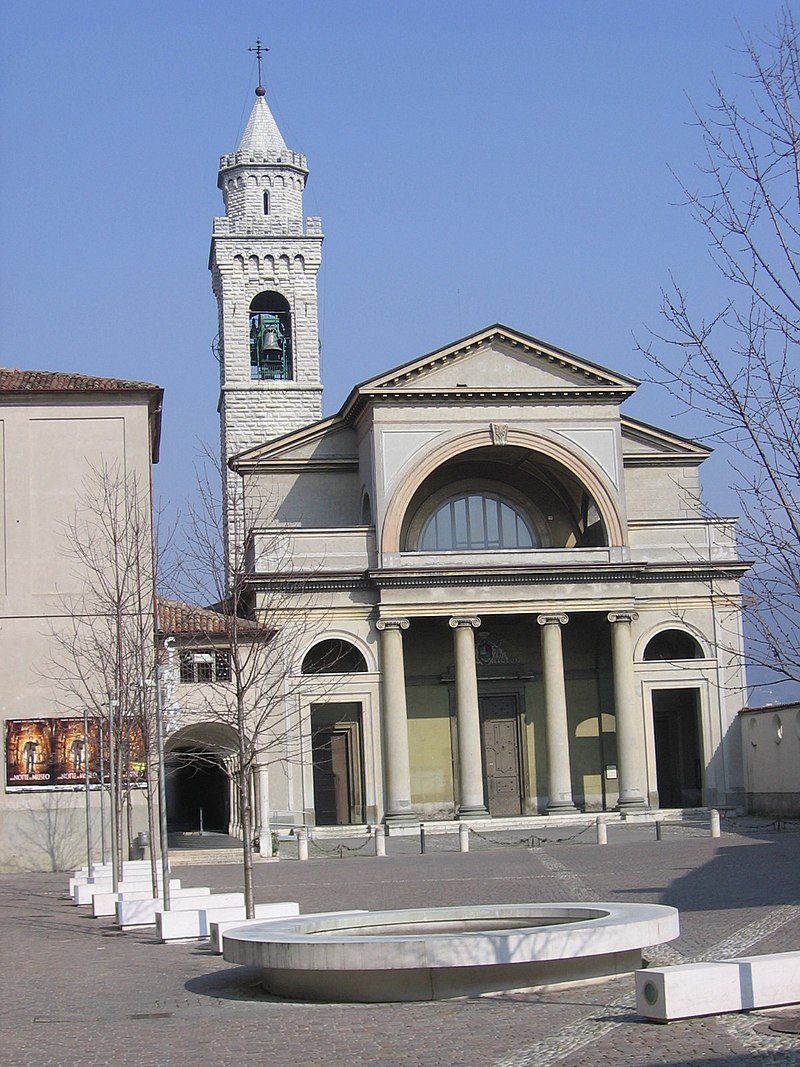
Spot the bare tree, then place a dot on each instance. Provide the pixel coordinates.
(105, 642)
(738, 364)
(260, 626)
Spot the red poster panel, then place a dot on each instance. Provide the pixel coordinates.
(48, 753)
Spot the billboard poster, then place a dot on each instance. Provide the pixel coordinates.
(53, 753)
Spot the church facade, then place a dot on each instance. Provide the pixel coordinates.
(518, 606)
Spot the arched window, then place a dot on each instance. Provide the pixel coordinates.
(672, 644)
(333, 656)
(475, 522)
(266, 201)
(270, 337)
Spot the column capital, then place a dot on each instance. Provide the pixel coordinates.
(554, 619)
(464, 620)
(623, 616)
(392, 624)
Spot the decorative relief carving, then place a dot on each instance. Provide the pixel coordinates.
(392, 624)
(554, 619)
(465, 620)
(499, 431)
(623, 616)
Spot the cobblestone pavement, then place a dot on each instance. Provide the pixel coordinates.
(75, 991)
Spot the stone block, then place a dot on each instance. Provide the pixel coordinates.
(82, 894)
(104, 904)
(180, 925)
(693, 989)
(132, 913)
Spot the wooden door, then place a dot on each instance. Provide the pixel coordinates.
(502, 761)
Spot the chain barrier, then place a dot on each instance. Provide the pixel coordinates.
(531, 841)
(338, 850)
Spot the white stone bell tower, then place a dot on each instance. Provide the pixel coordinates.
(264, 263)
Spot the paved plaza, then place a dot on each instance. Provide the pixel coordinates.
(76, 991)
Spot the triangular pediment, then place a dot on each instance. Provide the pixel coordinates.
(643, 444)
(499, 360)
(326, 444)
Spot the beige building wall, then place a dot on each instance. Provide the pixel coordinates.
(55, 430)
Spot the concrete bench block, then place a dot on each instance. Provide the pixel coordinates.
(83, 894)
(692, 989)
(105, 904)
(143, 912)
(102, 871)
(218, 928)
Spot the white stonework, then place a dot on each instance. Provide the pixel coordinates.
(264, 245)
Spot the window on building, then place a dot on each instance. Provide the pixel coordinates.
(266, 202)
(476, 522)
(208, 665)
(673, 644)
(334, 657)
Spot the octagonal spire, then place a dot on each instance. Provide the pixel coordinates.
(261, 135)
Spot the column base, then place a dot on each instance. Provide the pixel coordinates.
(473, 813)
(560, 807)
(401, 818)
(633, 804)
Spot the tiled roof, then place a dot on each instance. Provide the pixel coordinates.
(175, 617)
(53, 381)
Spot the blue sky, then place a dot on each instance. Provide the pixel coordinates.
(472, 162)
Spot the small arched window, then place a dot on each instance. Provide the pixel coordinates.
(266, 201)
(672, 644)
(333, 656)
(476, 522)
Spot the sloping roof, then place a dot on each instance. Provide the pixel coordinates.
(19, 383)
(13, 380)
(181, 619)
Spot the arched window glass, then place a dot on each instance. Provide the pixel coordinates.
(475, 522)
(266, 202)
(334, 657)
(672, 644)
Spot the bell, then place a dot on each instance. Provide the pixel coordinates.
(270, 342)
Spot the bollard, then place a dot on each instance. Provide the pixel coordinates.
(380, 841)
(302, 843)
(658, 830)
(602, 831)
(715, 829)
(422, 839)
(463, 838)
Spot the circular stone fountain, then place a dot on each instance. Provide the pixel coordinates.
(435, 953)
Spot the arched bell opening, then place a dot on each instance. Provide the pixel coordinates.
(501, 498)
(271, 338)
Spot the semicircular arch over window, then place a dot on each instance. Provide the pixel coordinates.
(333, 656)
(476, 522)
(673, 644)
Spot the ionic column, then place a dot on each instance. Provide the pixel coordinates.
(468, 721)
(559, 779)
(630, 727)
(396, 767)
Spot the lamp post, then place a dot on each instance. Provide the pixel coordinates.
(89, 864)
(112, 778)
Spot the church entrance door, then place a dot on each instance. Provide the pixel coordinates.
(336, 748)
(502, 759)
(679, 766)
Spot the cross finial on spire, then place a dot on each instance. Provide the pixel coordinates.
(259, 50)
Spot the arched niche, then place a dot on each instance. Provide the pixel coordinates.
(569, 502)
(271, 337)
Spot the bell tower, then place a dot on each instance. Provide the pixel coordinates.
(264, 262)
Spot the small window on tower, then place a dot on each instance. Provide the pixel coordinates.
(266, 202)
